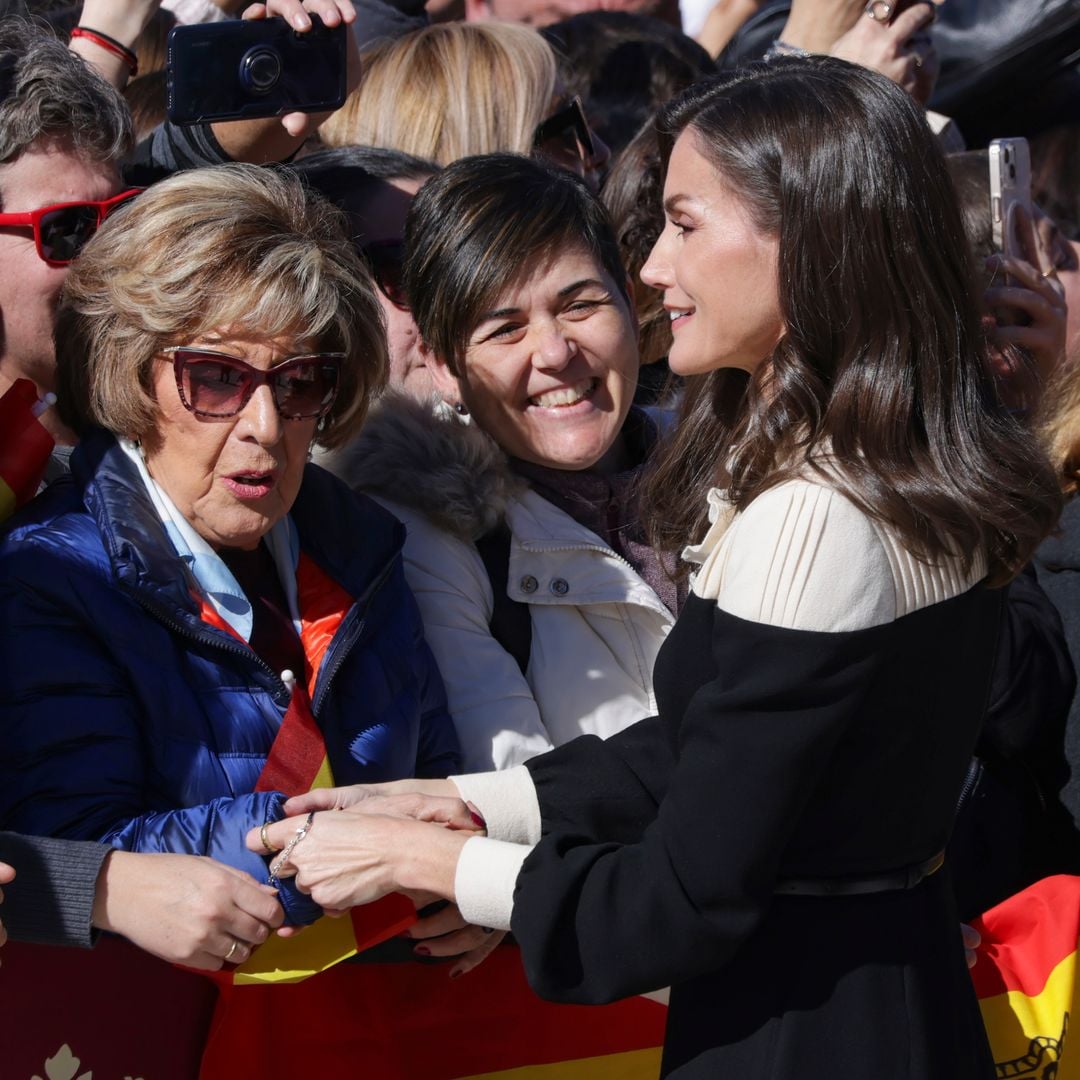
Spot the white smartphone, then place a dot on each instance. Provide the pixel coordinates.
(1010, 183)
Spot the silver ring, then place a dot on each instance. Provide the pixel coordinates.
(232, 951)
(879, 10)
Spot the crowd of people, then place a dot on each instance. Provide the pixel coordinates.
(595, 486)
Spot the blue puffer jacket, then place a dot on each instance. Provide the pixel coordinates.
(128, 719)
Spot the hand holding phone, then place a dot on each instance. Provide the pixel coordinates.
(263, 66)
(1010, 186)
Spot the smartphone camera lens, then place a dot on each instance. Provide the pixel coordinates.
(260, 69)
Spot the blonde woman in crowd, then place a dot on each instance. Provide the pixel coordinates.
(458, 89)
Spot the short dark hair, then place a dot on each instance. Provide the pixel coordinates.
(484, 223)
(336, 170)
(47, 92)
(882, 368)
(351, 176)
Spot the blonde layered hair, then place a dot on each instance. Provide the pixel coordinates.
(450, 91)
(235, 249)
(1059, 426)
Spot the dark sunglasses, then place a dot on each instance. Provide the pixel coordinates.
(570, 127)
(61, 230)
(215, 386)
(387, 259)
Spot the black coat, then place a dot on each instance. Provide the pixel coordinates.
(779, 754)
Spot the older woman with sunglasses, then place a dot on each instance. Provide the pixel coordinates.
(199, 623)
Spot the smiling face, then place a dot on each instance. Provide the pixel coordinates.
(550, 370)
(717, 270)
(232, 479)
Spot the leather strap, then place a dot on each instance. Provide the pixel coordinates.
(907, 877)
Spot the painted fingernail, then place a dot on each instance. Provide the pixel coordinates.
(422, 950)
(478, 820)
(488, 929)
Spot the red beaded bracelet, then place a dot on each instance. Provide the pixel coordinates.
(110, 45)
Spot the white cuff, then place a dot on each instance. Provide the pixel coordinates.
(507, 802)
(487, 872)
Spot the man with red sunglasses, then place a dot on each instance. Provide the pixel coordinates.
(62, 135)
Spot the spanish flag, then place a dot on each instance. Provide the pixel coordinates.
(1025, 978)
(25, 445)
(297, 763)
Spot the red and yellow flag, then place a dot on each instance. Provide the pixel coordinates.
(398, 1021)
(297, 763)
(25, 445)
(1026, 980)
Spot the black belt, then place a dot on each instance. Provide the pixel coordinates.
(907, 877)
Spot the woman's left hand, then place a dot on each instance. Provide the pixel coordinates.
(446, 933)
(345, 859)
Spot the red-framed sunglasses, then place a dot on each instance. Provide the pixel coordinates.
(62, 229)
(569, 126)
(216, 386)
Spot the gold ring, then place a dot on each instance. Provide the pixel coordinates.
(270, 849)
(879, 10)
(232, 951)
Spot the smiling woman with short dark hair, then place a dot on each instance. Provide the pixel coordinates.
(543, 602)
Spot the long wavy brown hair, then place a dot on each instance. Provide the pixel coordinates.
(880, 381)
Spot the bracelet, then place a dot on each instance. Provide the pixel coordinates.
(109, 44)
(283, 858)
(782, 48)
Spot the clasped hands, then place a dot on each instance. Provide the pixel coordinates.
(404, 837)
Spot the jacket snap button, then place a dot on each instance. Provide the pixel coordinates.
(529, 584)
(560, 587)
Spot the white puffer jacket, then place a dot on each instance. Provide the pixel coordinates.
(596, 625)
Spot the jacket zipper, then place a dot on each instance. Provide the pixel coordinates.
(281, 694)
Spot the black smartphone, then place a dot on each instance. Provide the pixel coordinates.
(243, 69)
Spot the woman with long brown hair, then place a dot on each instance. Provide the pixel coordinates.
(770, 844)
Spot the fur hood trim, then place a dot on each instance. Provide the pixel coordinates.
(421, 456)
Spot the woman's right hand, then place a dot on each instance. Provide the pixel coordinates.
(186, 909)
(900, 50)
(1029, 312)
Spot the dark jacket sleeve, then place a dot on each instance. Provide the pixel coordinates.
(380, 20)
(171, 148)
(705, 869)
(1033, 681)
(438, 752)
(51, 900)
(608, 788)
